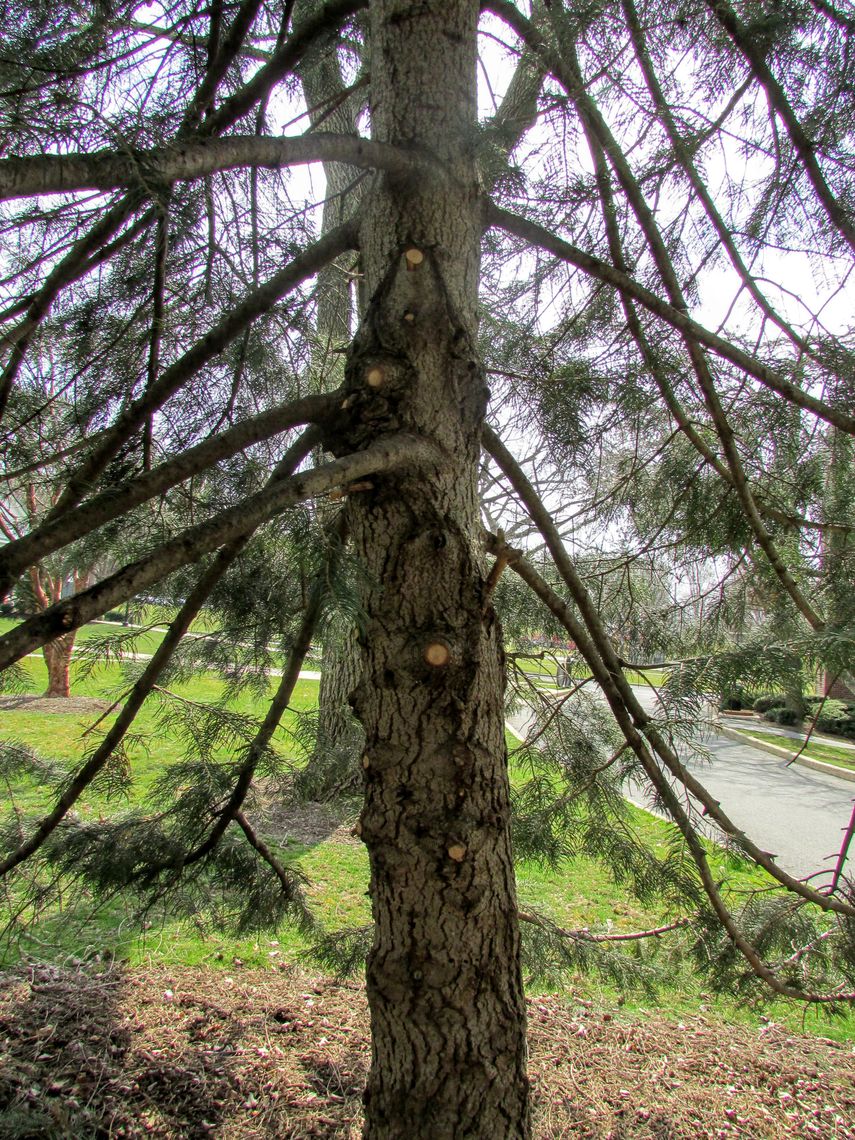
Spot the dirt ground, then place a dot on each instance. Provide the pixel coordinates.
(279, 1053)
(26, 702)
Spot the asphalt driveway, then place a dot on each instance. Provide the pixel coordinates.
(797, 814)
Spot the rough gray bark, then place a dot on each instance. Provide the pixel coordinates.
(444, 982)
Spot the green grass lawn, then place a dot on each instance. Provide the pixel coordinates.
(546, 668)
(579, 894)
(828, 753)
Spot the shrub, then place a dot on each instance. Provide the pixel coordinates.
(770, 701)
(734, 700)
(837, 717)
(784, 716)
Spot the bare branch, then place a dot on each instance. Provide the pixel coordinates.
(187, 160)
(393, 452)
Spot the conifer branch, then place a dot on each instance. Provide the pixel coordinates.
(257, 844)
(158, 307)
(602, 271)
(602, 142)
(684, 159)
(261, 741)
(591, 116)
(84, 254)
(150, 676)
(82, 257)
(752, 50)
(842, 854)
(192, 159)
(255, 303)
(595, 646)
(388, 454)
(221, 54)
(324, 23)
(95, 512)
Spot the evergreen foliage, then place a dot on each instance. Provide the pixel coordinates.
(666, 478)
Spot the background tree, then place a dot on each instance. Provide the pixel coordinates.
(578, 262)
(33, 484)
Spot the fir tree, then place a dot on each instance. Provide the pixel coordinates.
(687, 476)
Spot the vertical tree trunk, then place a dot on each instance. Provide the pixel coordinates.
(57, 655)
(332, 769)
(444, 982)
(47, 589)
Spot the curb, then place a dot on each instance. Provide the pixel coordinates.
(787, 754)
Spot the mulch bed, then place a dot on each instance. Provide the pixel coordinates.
(277, 1053)
(27, 702)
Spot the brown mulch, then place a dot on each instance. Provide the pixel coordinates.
(276, 1053)
(308, 823)
(26, 702)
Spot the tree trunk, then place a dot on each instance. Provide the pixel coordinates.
(444, 981)
(57, 655)
(333, 768)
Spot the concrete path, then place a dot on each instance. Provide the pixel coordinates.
(795, 813)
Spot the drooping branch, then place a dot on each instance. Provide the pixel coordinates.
(752, 50)
(257, 302)
(630, 724)
(603, 271)
(87, 253)
(687, 164)
(593, 642)
(590, 936)
(391, 453)
(82, 257)
(602, 142)
(191, 159)
(261, 741)
(133, 703)
(158, 308)
(74, 524)
(222, 51)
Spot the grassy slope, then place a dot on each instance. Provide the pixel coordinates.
(578, 895)
(842, 757)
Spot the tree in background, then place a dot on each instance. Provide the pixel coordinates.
(576, 265)
(31, 489)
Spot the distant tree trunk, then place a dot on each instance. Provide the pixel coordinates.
(332, 768)
(444, 980)
(47, 589)
(57, 655)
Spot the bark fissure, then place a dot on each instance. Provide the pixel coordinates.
(444, 982)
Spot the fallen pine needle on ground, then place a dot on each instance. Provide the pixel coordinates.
(187, 1053)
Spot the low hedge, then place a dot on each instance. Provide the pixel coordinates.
(770, 701)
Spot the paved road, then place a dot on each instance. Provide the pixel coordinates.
(794, 813)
